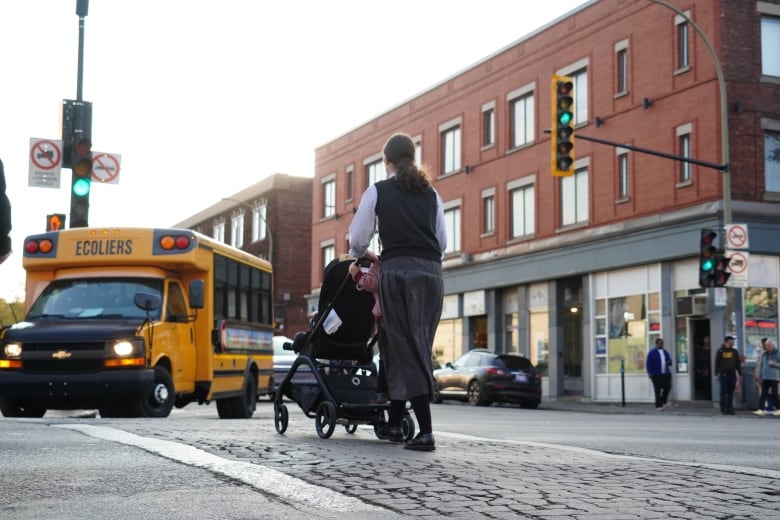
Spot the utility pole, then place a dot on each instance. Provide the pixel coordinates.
(77, 136)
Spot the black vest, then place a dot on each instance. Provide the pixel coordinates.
(407, 222)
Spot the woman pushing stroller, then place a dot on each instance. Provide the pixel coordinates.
(410, 218)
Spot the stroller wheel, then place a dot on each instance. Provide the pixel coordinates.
(351, 428)
(325, 421)
(281, 417)
(407, 426)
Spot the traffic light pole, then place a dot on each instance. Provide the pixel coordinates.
(82, 7)
(720, 167)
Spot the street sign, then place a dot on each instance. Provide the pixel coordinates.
(738, 267)
(736, 236)
(105, 167)
(45, 163)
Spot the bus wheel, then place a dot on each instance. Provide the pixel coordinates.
(246, 403)
(14, 409)
(158, 402)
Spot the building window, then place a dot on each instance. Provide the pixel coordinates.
(375, 172)
(580, 81)
(574, 198)
(685, 172)
(328, 252)
(488, 213)
(237, 228)
(770, 46)
(417, 150)
(450, 147)
(521, 203)
(348, 181)
(218, 233)
(328, 196)
(683, 49)
(623, 177)
(488, 126)
(522, 117)
(772, 161)
(621, 58)
(452, 227)
(259, 222)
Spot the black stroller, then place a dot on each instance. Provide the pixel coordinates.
(346, 377)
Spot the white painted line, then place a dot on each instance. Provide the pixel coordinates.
(265, 479)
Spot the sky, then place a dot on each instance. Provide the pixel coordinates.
(201, 99)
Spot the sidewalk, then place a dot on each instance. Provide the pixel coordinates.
(587, 405)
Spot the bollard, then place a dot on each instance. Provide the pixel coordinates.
(623, 382)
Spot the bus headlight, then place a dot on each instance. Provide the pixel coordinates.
(123, 348)
(13, 350)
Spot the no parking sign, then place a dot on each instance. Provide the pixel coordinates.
(105, 167)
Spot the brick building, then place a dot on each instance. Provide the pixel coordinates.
(583, 273)
(270, 219)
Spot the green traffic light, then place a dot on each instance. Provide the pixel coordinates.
(565, 118)
(707, 265)
(81, 187)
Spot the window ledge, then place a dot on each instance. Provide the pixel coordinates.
(622, 200)
(618, 95)
(450, 174)
(487, 234)
(775, 80)
(682, 70)
(523, 146)
(569, 227)
(684, 184)
(487, 147)
(521, 238)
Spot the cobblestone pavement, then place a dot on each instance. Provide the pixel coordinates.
(473, 477)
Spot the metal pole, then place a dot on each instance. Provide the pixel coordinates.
(724, 114)
(82, 7)
(623, 382)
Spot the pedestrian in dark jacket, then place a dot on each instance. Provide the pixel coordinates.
(659, 368)
(5, 218)
(728, 369)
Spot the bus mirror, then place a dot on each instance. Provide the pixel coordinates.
(196, 294)
(147, 301)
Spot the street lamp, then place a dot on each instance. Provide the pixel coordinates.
(265, 221)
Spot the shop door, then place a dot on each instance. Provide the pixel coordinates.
(699, 333)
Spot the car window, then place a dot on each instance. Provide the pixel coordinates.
(514, 362)
(279, 342)
(462, 361)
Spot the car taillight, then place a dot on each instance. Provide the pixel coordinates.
(493, 371)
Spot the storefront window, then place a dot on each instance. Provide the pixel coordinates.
(630, 328)
(760, 307)
(540, 340)
(447, 345)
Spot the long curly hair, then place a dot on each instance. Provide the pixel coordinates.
(399, 150)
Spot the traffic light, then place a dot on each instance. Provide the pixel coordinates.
(707, 252)
(55, 222)
(562, 142)
(77, 155)
(720, 273)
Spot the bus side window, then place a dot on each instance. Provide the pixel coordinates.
(176, 310)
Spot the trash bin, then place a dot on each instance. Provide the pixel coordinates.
(750, 389)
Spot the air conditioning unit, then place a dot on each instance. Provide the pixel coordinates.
(695, 305)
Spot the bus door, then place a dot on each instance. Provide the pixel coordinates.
(177, 337)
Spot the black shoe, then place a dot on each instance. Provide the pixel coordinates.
(378, 398)
(423, 442)
(389, 433)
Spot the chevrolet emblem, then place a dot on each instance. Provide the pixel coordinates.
(61, 354)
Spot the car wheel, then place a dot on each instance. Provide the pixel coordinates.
(159, 402)
(475, 394)
(14, 409)
(436, 394)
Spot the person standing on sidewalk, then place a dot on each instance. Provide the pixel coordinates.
(728, 370)
(769, 375)
(659, 368)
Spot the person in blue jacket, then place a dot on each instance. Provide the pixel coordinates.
(659, 368)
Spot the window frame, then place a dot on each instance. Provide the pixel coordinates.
(450, 139)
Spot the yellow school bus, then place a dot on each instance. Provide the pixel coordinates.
(135, 321)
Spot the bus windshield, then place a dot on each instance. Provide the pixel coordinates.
(94, 298)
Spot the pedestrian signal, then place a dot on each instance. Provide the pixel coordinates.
(55, 222)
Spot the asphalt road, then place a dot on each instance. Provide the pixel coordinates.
(497, 462)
